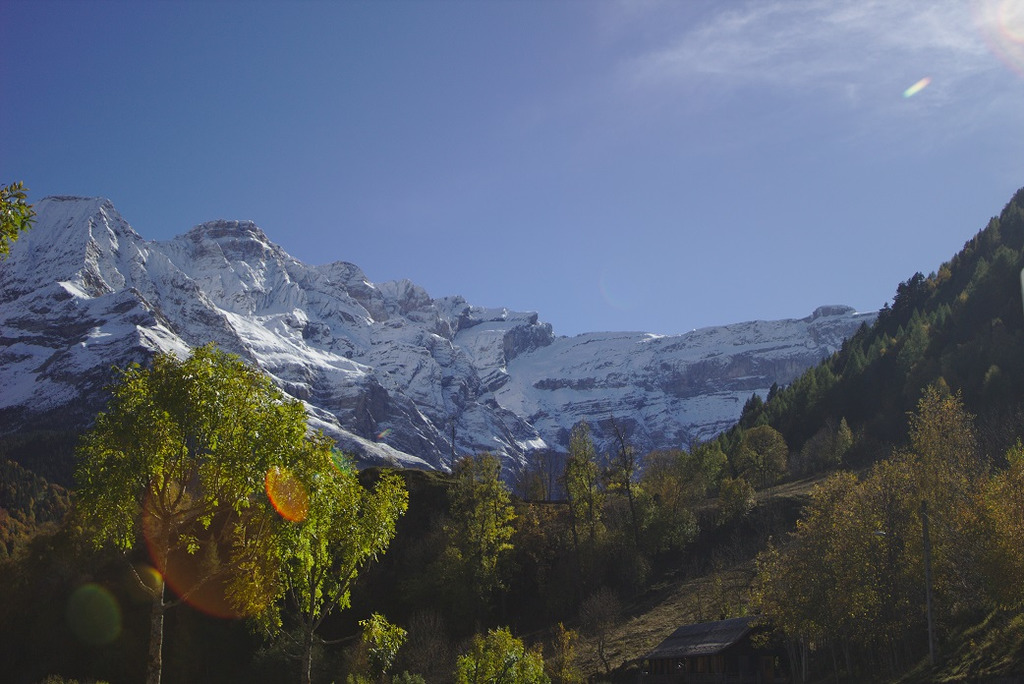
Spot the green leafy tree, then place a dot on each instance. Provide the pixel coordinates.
(379, 647)
(943, 441)
(826, 448)
(583, 485)
(673, 498)
(16, 215)
(180, 457)
(500, 658)
(582, 482)
(562, 667)
(480, 528)
(949, 474)
(621, 476)
(341, 528)
(678, 482)
(798, 585)
(843, 440)
(851, 576)
(383, 640)
(704, 466)
(763, 455)
(735, 498)
(408, 678)
(889, 566)
(1003, 502)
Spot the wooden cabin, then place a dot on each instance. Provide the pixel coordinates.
(714, 652)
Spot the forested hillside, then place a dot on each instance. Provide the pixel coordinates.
(27, 501)
(961, 326)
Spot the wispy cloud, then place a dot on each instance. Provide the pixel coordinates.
(822, 45)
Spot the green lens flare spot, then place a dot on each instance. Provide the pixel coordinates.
(94, 615)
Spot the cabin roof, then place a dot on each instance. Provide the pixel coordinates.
(705, 638)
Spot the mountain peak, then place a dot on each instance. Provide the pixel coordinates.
(64, 211)
(221, 228)
(226, 232)
(73, 239)
(237, 240)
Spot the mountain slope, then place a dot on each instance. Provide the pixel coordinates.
(384, 369)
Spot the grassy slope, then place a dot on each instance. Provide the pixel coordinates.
(991, 649)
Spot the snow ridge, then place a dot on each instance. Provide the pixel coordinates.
(389, 372)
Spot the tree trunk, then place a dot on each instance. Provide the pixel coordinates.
(632, 514)
(155, 663)
(307, 659)
(627, 462)
(795, 669)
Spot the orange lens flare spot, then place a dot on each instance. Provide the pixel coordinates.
(287, 495)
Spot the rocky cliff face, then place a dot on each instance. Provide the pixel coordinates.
(666, 390)
(386, 370)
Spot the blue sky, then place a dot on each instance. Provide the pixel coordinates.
(635, 165)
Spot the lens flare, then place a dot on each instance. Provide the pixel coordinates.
(617, 291)
(1002, 25)
(384, 434)
(917, 87)
(201, 577)
(287, 495)
(94, 615)
(151, 577)
(145, 575)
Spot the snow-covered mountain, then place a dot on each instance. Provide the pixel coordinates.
(389, 372)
